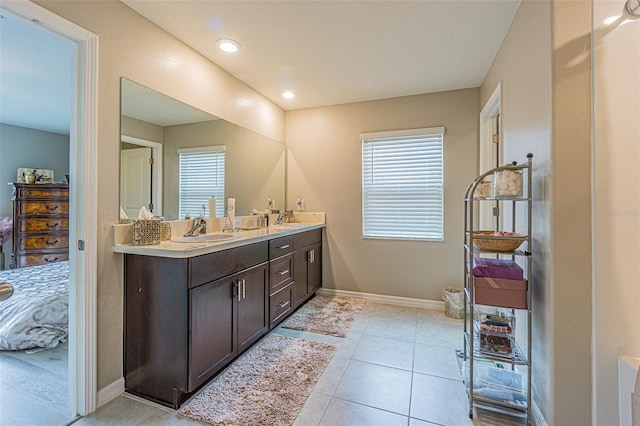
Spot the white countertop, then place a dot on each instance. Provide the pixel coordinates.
(186, 250)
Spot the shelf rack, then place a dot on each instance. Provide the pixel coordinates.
(471, 352)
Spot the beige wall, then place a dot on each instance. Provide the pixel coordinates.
(324, 168)
(617, 202)
(141, 129)
(132, 47)
(544, 68)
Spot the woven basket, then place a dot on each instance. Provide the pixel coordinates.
(487, 241)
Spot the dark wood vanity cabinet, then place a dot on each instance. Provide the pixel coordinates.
(281, 279)
(227, 316)
(307, 265)
(185, 319)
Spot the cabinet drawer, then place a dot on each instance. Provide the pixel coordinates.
(305, 239)
(280, 247)
(281, 272)
(41, 192)
(217, 265)
(45, 207)
(35, 259)
(280, 305)
(43, 242)
(39, 225)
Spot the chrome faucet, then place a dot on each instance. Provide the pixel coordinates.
(198, 227)
(280, 218)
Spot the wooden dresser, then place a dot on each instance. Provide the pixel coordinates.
(40, 224)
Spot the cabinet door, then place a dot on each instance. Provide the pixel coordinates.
(212, 341)
(253, 320)
(300, 267)
(314, 271)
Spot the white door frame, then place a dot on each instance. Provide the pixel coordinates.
(83, 201)
(487, 155)
(156, 149)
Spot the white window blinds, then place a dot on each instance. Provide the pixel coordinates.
(403, 184)
(201, 177)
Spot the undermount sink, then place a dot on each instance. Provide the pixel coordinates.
(205, 238)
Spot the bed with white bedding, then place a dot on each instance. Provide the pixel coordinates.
(37, 315)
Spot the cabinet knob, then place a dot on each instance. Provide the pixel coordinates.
(55, 225)
(51, 243)
(51, 208)
(46, 259)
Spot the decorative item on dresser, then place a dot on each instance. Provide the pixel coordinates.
(40, 224)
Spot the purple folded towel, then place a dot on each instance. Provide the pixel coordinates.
(497, 268)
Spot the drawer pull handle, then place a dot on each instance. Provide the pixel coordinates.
(286, 246)
(28, 193)
(50, 260)
(50, 243)
(55, 225)
(283, 304)
(284, 272)
(51, 208)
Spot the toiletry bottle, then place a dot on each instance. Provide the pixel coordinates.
(212, 207)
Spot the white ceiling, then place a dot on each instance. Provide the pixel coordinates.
(333, 52)
(327, 52)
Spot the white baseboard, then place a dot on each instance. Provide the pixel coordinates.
(110, 392)
(391, 300)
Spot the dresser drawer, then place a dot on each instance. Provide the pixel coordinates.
(280, 304)
(280, 246)
(40, 225)
(44, 207)
(33, 191)
(43, 242)
(281, 272)
(36, 259)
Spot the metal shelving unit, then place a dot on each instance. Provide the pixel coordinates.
(474, 358)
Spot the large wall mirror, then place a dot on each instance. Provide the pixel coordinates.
(155, 126)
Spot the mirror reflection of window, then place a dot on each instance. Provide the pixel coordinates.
(201, 176)
(254, 164)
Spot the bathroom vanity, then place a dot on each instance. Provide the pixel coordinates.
(191, 309)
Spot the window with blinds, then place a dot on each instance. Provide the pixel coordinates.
(403, 184)
(201, 176)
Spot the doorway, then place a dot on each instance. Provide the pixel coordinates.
(83, 200)
(490, 152)
(140, 176)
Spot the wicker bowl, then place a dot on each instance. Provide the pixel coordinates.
(488, 241)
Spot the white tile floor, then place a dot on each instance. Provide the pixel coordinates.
(397, 366)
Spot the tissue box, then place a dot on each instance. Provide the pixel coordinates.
(146, 232)
(497, 268)
(500, 292)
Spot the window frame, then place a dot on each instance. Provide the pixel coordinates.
(219, 195)
(367, 141)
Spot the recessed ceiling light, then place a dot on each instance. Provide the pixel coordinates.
(228, 45)
(288, 94)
